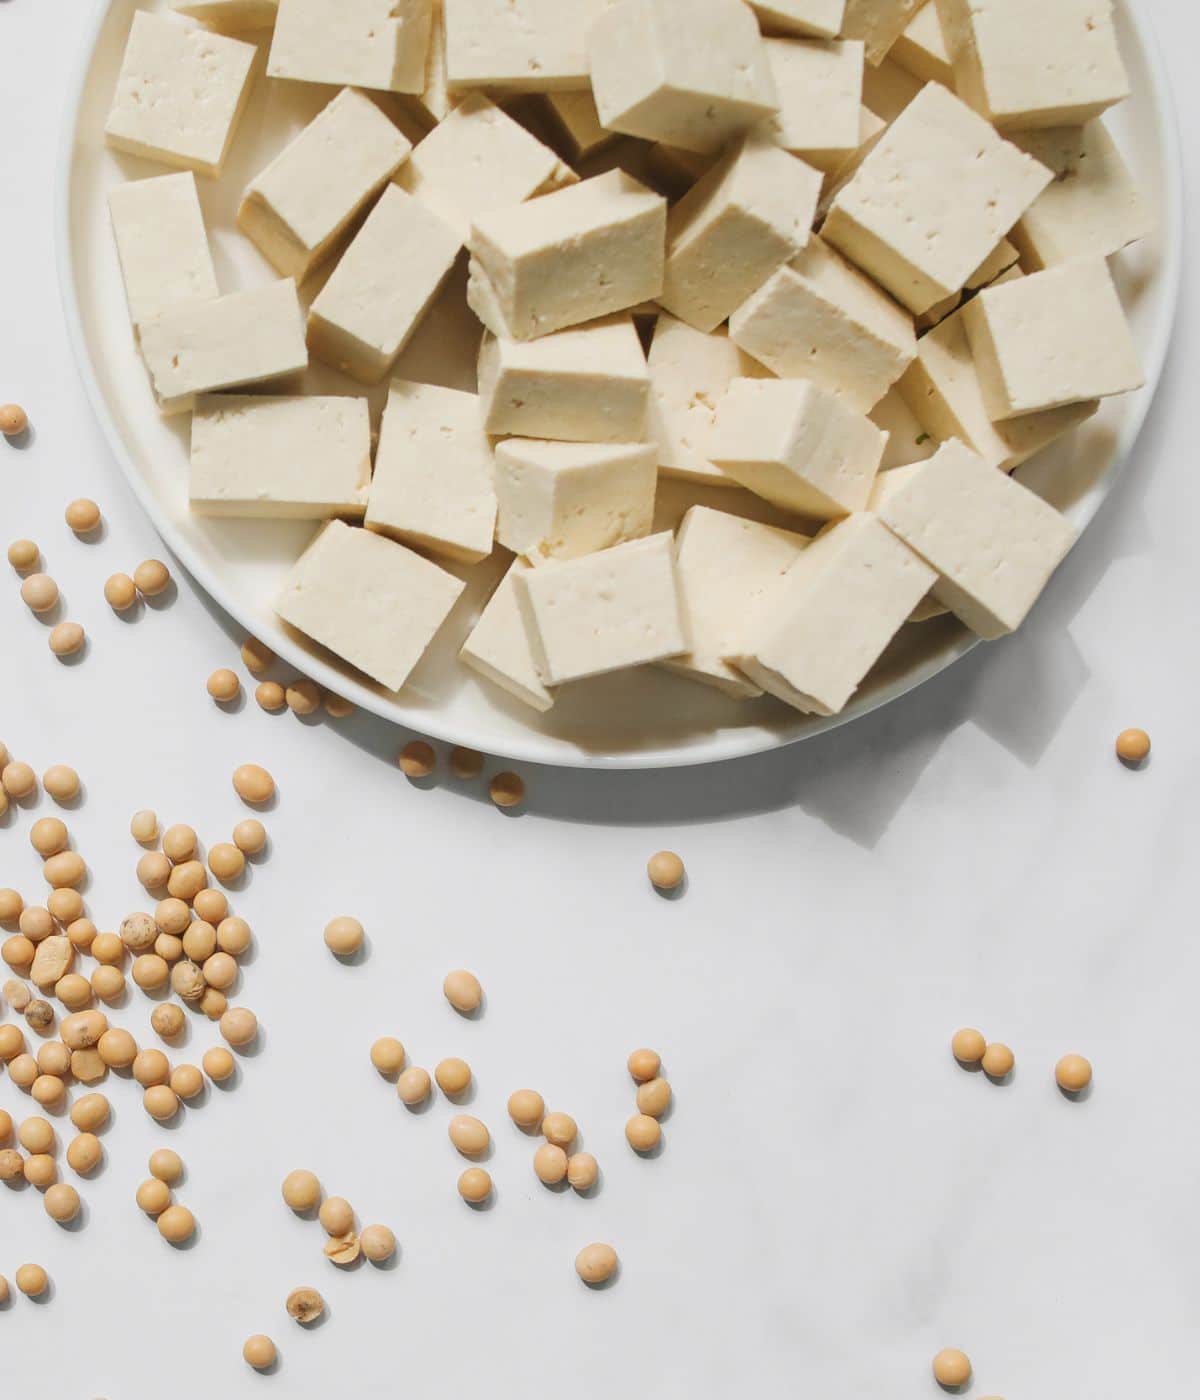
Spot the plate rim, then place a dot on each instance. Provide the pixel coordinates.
(554, 752)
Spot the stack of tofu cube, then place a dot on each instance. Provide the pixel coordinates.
(846, 260)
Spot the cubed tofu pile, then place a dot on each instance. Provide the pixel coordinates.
(847, 257)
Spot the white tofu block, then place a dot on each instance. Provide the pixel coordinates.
(180, 93)
(606, 611)
(161, 243)
(725, 567)
(1092, 205)
(908, 439)
(1057, 337)
(588, 384)
(519, 45)
(689, 374)
(433, 472)
(820, 97)
(932, 199)
(287, 457)
(830, 618)
(1022, 63)
(499, 649)
(355, 43)
(689, 72)
(942, 388)
(734, 228)
(367, 311)
(479, 159)
(921, 49)
(198, 347)
(577, 123)
(230, 16)
(794, 443)
(560, 500)
(368, 600)
(567, 257)
(815, 19)
(300, 207)
(993, 543)
(870, 129)
(878, 23)
(818, 318)
(435, 101)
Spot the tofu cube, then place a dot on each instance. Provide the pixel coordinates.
(1001, 259)
(519, 45)
(433, 472)
(298, 210)
(1092, 205)
(280, 457)
(796, 444)
(878, 23)
(479, 159)
(820, 98)
(1057, 337)
(588, 384)
(943, 389)
(567, 257)
(725, 566)
(689, 374)
(366, 313)
(606, 611)
(198, 347)
(161, 243)
(734, 228)
(932, 199)
(818, 318)
(180, 94)
(689, 72)
(499, 648)
(577, 124)
(921, 49)
(993, 543)
(816, 19)
(230, 16)
(356, 43)
(368, 600)
(560, 500)
(1021, 63)
(827, 623)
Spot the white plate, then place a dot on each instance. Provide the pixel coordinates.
(646, 718)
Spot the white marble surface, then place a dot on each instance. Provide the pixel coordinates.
(836, 1200)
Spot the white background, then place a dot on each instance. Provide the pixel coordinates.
(836, 1200)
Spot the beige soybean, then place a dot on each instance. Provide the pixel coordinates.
(474, 1185)
(179, 842)
(82, 516)
(560, 1129)
(387, 1055)
(32, 1279)
(161, 1102)
(11, 905)
(18, 779)
(583, 1171)
(65, 904)
(84, 1029)
(172, 916)
(643, 1133)
(187, 880)
(253, 783)
(151, 577)
(54, 1058)
(84, 1153)
(378, 1243)
(304, 1305)
(166, 1165)
(214, 1004)
(234, 936)
(303, 697)
(23, 1071)
(17, 952)
(259, 1352)
(82, 933)
(138, 932)
(151, 1067)
(120, 592)
(12, 1164)
(87, 1066)
(507, 790)
(218, 1064)
(951, 1368)
(61, 781)
(40, 1170)
(36, 922)
(150, 972)
(1073, 1074)
(968, 1045)
(12, 1042)
(186, 1081)
(62, 1203)
(36, 1135)
(49, 1090)
(13, 422)
(153, 1196)
(271, 696)
(64, 870)
(239, 1026)
(301, 1190)
(48, 836)
(118, 1049)
(336, 1215)
(23, 555)
(220, 971)
(344, 936)
(143, 826)
(66, 639)
(153, 870)
(469, 1135)
(250, 836)
(343, 1249)
(226, 862)
(189, 981)
(417, 759)
(550, 1164)
(1133, 746)
(526, 1108)
(39, 593)
(211, 905)
(453, 1076)
(108, 948)
(257, 656)
(39, 1015)
(51, 961)
(176, 1224)
(200, 940)
(223, 685)
(6, 1127)
(463, 991)
(413, 1086)
(596, 1263)
(654, 1097)
(997, 1060)
(17, 994)
(666, 870)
